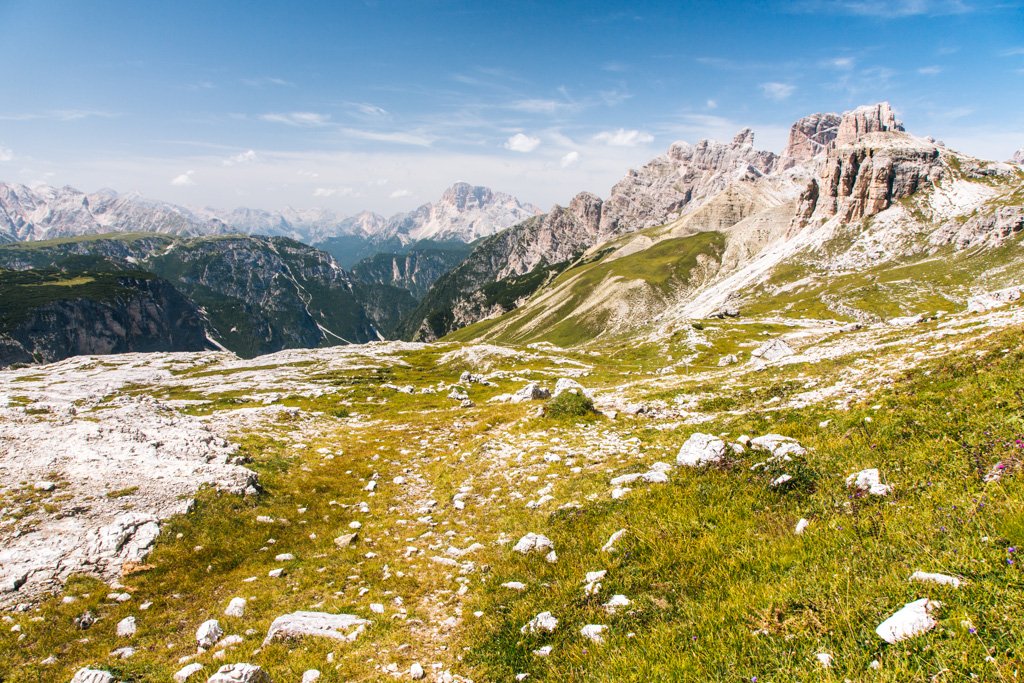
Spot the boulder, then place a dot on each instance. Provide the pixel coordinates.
(729, 359)
(594, 632)
(187, 672)
(87, 675)
(208, 633)
(911, 620)
(779, 446)
(773, 350)
(564, 384)
(310, 676)
(701, 449)
(542, 623)
(344, 627)
(868, 481)
(530, 392)
(533, 543)
(235, 608)
(126, 627)
(240, 673)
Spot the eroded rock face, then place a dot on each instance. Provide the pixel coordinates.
(682, 178)
(982, 229)
(240, 673)
(872, 118)
(810, 137)
(344, 627)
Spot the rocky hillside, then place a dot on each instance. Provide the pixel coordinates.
(414, 269)
(854, 199)
(48, 315)
(256, 294)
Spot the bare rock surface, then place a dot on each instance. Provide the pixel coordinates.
(911, 620)
(809, 137)
(345, 627)
(240, 673)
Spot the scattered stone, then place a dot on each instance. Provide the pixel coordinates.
(345, 540)
(123, 653)
(345, 627)
(457, 394)
(905, 321)
(531, 392)
(44, 486)
(782, 447)
(868, 481)
(701, 449)
(235, 608)
(187, 672)
(310, 676)
(533, 543)
(801, 526)
(616, 602)
(609, 547)
(729, 359)
(416, 671)
(542, 623)
(126, 627)
(911, 620)
(551, 557)
(773, 350)
(941, 579)
(87, 675)
(514, 585)
(564, 384)
(781, 480)
(276, 573)
(240, 673)
(208, 633)
(85, 620)
(594, 632)
(824, 659)
(377, 608)
(284, 557)
(543, 651)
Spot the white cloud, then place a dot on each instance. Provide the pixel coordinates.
(398, 194)
(370, 110)
(570, 159)
(540, 106)
(521, 143)
(6, 154)
(711, 104)
(777, 91)
(246, 157)
(397, 137)
(261, 82)
(839, 63)
(184, 180)
(332, 191)
(306, 119)
(888, 9)
(929, 70)
(59, 115)
(623, 138)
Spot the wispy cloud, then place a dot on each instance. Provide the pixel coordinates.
(398, 194)
(887, 9)
(266, 82)
(246, 157)
(397, 137)
(777, 91)
(929, 70)
(323, 192)
(623, 138)
(569, 159)
(541, 106)
(368, 110)
(521, 143)
(184, 180)
(1012, 52)
(59, 115)
(6, 154)
(304, 119)
(842, 63)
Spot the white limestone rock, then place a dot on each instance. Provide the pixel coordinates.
(208, 633)
(565, 384)
(126, 628)
(615, 602)
(701, 449)
(594, 632)
(533, 543)
(187, 672)
(609, 546)
(941, 579)
(801, 526)
(773, 350)
(868, 481)
(240, 673)
(87, 675)
(531, 392)
(913, 619)
(544, 622)
(416, 671)
(778, 445)
(235, 608)
(343, 627)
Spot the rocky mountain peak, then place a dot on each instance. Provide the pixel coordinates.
(1018, 156)
(587, 208)
(463, 196)
(744, 138)
(873, 118)
(809, 137)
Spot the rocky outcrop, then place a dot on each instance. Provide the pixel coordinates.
(414, 271)
(873, 118)
(464, 213)
(809, 137)
(987, 229)
(681, 180)
(1018, 157)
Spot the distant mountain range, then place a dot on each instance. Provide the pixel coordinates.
(463, 213)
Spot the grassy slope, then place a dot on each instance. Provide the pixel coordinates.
(721, 588)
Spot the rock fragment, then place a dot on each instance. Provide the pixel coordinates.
(240, 673)
(701, 449)
(544, 622)
(235, 608)
(868, 481)
(911, 620)
(533, 543)
(343, 627)
(208, 633)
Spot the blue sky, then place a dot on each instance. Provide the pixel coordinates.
(382, 104)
